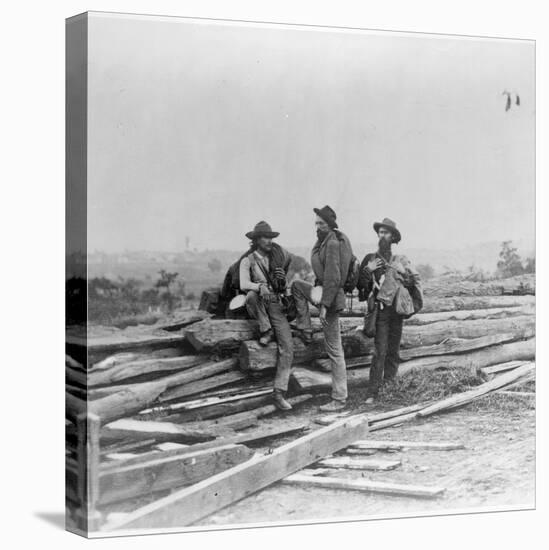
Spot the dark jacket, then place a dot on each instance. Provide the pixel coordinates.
(330, 260)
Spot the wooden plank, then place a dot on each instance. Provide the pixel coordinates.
(348, 463)
(253, 357)
(194, 388)
(124, 446)
(223, 409)
(187, 506)
(122, 358)
(253, 436)
(402, 445)
(351, 323)
(396, 421)
(183, 319)
(501, 367)
(136, 397)
(525, 372)
(523, 350)
(470, 315)
(133, 369)
(308, 379)
(127, 339)
(434, 304)
(197, 404)
(159, 431)
(221, 334)
(517, 393)
(364, 485)
(133, 477)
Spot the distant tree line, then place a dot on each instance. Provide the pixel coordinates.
(108, 299)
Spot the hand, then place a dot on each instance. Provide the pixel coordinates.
(374, 264)
(280, 273)
(264, 290)
(322, 317)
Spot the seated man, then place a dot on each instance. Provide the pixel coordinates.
(262, 274)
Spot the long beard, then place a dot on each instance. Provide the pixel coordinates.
(321, 234)
(385, 248)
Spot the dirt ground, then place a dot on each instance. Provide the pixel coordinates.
(496, 469)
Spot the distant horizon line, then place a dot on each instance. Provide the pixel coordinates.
(364, 243)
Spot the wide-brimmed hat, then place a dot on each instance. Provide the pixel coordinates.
(262, 229)
(327, 214)
(391, 226)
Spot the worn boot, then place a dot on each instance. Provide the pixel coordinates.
(333, 406)
(280, 402)
(266, 338)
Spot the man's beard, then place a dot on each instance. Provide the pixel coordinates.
(384, 247)
(321, 234)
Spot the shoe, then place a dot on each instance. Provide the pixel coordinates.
(306, 336)
(333, 406)
(370, 400)
(266, 338)
(280, 402)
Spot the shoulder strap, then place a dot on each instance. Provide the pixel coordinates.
(263, 270)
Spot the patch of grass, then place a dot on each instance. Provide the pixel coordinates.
(421, 385)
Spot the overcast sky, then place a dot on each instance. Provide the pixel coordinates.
(201, 129)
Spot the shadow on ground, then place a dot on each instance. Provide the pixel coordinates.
(57, 519)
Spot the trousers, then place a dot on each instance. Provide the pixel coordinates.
(301, 291)
(269, 315)
(387, 343)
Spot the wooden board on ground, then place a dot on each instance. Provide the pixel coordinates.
(348, 463)
(187, 506)
(380, 445)
(364, 485)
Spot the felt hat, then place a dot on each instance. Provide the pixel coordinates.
(262, 229)
(391, 226)
(328, 215)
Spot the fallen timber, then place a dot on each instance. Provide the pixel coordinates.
(307, 379)
(154, 515)
(380, 445)
(253, 413)
(100, 347)
(365, 485)
(253, 357)
(137, 397)
(447, 347)
(189, 505)
(349, 323)
(124, 371)
(143, 475)
(348, 463)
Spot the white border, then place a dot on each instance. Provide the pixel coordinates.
(33, 253)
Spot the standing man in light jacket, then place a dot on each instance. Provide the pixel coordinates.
(330, 259)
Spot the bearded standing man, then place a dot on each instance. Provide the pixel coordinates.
(330, 259)
(383, 275)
